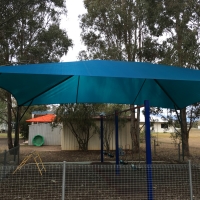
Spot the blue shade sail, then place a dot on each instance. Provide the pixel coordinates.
(100, 81)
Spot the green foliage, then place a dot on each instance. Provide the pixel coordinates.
(3, 107)
(80, 119)
(142, 136)
(178, 21)
(176, 25)
(114, 30)
(33, 35)
(109, 121)
(176, 137)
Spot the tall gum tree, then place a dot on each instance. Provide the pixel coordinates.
(116, 30)
(80, 120)
(30, 33)
(177, 23)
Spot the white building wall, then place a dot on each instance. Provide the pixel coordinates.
(158, 129)
(3, 127)
(69, 142)
(51, 136)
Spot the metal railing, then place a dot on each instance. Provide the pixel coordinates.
(97, 181)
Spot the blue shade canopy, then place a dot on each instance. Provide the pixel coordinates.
(99, 81)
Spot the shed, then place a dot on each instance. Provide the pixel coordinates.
(69, 142)
(42, 126)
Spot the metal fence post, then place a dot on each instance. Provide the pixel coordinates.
(18, 154)
(179, 152)
(155, 147)
(4, 164)
(4, 160)
(63, 180)
(15, 149)
(190, 178)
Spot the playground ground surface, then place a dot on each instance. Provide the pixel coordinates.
(165, 150)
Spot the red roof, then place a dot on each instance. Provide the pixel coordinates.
(44, 118)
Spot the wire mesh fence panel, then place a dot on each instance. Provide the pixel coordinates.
(12, 156)
(97, 181)
(196, 181)
(8, 158)
(2, 158)
(127, 182)
(28, 183)
(171, 182)
(105, 182)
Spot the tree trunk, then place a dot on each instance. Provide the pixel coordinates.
(17, 127)
(106, 141)
(184, 132)
(133, 131)
(138, 129)
(83, 145)
(9, 110)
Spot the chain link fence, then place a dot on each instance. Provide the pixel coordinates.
(97, 181)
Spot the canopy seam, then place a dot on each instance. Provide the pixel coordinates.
(46, 90)
(166, 93)
(139, 91)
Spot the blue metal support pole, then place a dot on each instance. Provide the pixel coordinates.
(117, 142)
(101, 125)
(148, 149)
(116, 138)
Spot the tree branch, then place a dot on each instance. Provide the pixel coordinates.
(20, 9)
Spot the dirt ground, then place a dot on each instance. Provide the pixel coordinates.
(164, 150)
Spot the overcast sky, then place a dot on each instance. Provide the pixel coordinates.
(71, 25)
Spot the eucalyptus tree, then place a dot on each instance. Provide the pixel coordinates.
(10, 9)
(108, 115)
(81, 121)
(30, 33)
(113, 30)
(177, 24)
(3, 113)
(116, 30)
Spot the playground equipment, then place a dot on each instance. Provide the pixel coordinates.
(109, 154)
(37, 159)
(127, 155)
(38, 140)
(122, 155)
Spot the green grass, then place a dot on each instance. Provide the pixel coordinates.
(4, 135)
(194, 133)
(161, 135)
